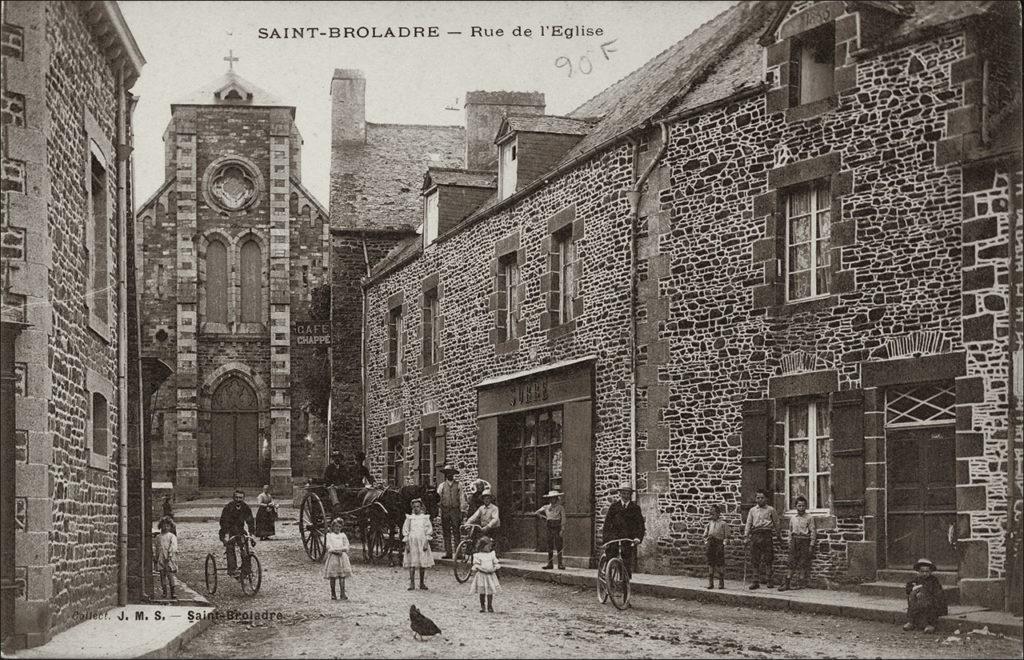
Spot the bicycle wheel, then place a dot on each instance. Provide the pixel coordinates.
(618, 583)
(211, 574)
(602, 579)
(253, 580)
(462, 563)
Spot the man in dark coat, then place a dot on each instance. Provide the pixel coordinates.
(624, 520)
(233, 521)
(334, 476)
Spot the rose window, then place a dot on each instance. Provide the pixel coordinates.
(232, 187)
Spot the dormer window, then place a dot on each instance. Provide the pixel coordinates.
(430, 218)
(507, 167)
(813, 65)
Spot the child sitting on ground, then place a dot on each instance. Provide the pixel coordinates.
(926, 601)
(337, 566)
(167, 550)
(716, 534)
(485, 573)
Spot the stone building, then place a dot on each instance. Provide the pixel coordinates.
(74, 534)
(777, 256)
(233, 249)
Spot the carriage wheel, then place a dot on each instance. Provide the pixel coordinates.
(463, 562)
(211, 574)
(602, 580)
(618, 583)
(313, 526)
(253, 580)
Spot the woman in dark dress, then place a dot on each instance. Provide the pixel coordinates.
(266, 514)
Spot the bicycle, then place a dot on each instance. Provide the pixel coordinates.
(613, 575)
(462, 561)
(250, 573)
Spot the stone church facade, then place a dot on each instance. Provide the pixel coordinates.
(779, 256)
(233, 249)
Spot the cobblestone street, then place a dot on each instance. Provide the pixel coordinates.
(532, 619)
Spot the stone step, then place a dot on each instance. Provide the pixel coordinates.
(526, 554)
(946, 578)
(898, 590)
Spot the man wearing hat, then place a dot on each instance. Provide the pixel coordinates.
(487, 517)
(450, 492)
(926, 601)
(553, 514)
(624, 520)
(334, 475)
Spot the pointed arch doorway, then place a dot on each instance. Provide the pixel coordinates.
(234, 436)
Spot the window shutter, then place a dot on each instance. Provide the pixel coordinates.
(757, 434)
(414, 465)
(440, 447)
(847, 410)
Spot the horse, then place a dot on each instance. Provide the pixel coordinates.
(398, 504)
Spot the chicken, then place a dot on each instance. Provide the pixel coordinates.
(421, 625)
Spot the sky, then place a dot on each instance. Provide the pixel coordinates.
(415, 80)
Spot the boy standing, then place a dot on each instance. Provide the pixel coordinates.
(716, 534)
(762, 525)
(553, 514)
(802, 535)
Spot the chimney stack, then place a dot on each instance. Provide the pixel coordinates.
(348, 107)
(484, 112)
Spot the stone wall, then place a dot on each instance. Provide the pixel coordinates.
(465, 265)
(59, 92)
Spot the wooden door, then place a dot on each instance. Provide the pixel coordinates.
(920, 496)
(234, 437)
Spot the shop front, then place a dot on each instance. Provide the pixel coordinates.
(536, 436)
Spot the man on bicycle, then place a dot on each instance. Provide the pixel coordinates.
(624, 520)
(233, 521)
(487, 517)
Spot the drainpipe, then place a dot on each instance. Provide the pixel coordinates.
(122, 345)
(1013, 348)
(633, 195)
(362, 353)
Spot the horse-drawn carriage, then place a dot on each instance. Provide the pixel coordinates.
(377, 513)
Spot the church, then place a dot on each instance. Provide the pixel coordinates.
(233, 250)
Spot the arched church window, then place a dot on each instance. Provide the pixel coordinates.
(252, 294)
(217, 282)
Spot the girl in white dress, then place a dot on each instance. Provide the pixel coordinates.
(417, 533)
(485, 573)
(337, 566)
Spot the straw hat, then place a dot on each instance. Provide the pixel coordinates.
(923, 562)
(448, 469)
(487, 493)
(552, 493)
(625, 485)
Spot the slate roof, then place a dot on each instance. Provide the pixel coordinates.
(710, 64)
(377, 184)
(205, 94)
(547, 124)
(722, 55)
(445, 176)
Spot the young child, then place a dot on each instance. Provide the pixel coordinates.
(553, 514)
(761, 528)
(485, 573)
(167, 550)
(716, 534)
(417, 533)
(337, 565)
(926, 601)
(802, 535)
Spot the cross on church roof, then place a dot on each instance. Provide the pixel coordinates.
(231, 59)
